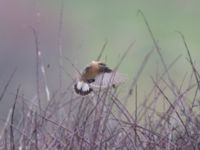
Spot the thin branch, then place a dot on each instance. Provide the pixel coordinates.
(196, 74)
(7, 84)
(12, 140)
(60, 46)
(102, 50)
(157, 47)
(124, 55)
(172, 106)
(73, 65)
(38, 53)
(139, 71)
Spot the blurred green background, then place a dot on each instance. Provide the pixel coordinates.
(117, 21)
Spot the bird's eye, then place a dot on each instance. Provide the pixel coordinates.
(90, 80)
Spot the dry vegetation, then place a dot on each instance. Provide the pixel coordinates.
(102, 120)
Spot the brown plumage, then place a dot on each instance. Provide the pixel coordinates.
(91, 74)
(94, 69)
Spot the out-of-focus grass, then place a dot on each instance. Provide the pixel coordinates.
(157, 109)
(117, 22)
(102, 120)
(167, 117)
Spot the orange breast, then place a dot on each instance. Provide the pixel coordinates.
(90, 73)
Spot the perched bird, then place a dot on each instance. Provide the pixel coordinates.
(96, 75)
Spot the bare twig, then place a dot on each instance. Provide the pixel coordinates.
(172, 106)
(38, 53)
(60, 46)
(157, 48)
(7, 84)
(124, 55)
(139, 72)
(12, 140)
(102, 50)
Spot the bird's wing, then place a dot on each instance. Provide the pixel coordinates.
(105, 80)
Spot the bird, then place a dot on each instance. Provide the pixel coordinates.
(97, 74)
